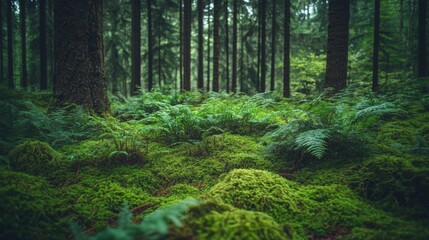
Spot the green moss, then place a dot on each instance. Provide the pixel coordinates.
(33, 157)
(30, 208)
(96, 201)
(257, 190)
(89, 153)
(213, 220)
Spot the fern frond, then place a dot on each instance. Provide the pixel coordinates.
(313, 142)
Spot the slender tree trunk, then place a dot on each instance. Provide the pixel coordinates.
(79, 74)
(216, 46)
(200, 82)
(43, 47)
(181, 45)
(208, 47)
(22, 10)
(11, 82)
(423, 61)
(263, 43)
(149, 46)
(376, 45)
(338, 35)
(234, 46)
(241, 57)
(187, 45)
(135, 46)
(258, 73)
(286, 50)
(227, 46)
(1, 44)
(159, 50)
(273, 46)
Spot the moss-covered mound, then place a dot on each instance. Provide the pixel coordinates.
(97, 201)
(33, 157)
(214, 220)
(257, 190)
(30, 208)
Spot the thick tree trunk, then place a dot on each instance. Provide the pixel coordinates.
(263, 43)
(187, 45)
(22, 9)
(43, 47)
(338, 36)
(79, 73)
(286, 50)
(216, 46)
(234, 46)
(10, 81)
(200, 81)
(135, 46)
(423, 61)
(273, 46)
(376, 45)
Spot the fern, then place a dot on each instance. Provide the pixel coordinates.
(313, 142)
(386, 108)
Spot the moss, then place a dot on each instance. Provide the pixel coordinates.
(97, 201)
(212, 220)
(33, 157)
(257, 190)
(393, 180)
(89, 153)
(30, 208)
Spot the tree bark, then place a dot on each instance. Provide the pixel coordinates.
(234, 46)
(43, 47)
(286, 50)
(263, 43)
(208, 47)
(227, 46)
(273, 46)
(200, 81)
(1, 44)
(181, 45)
(376, 45)
(135, 46)
(149, 46)
(79, 74)
(216, 46)
(11, 82)
(338, 35)
(423, 61)
(22, 9)
(187, 45)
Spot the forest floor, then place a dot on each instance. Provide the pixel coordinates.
(217, 166)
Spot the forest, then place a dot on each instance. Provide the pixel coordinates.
(214, 119)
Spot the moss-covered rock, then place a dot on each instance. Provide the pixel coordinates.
(30, 208)
(33, 157)
(213, 220)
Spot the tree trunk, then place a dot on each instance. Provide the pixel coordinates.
(43, 47)
(1, 44)
(208, 47)
(216, 46)
(79, 73)
(234, 46)
(263, 43)
(11, 82)
(338, 35)
(135, 45)
(187, 45)
(181, 45)
(273, 46)
(376, 45)
(22, 10)
(200, 82)
(149, 46)
(286, 50)
(423, 61)
(227, 46)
